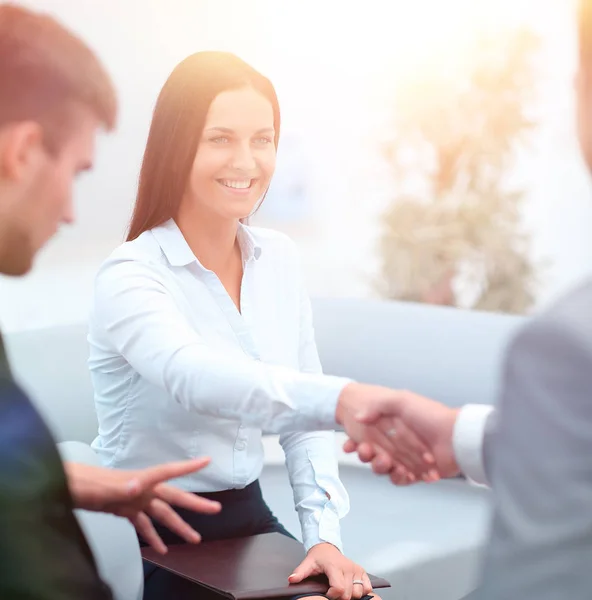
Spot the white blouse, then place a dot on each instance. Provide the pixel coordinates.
(179, 372)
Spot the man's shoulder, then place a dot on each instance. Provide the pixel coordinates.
(566, 324)
(18, 416)
(572, 313)
(42, 548)
(28, 454)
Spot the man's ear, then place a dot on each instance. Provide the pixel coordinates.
(21, 148)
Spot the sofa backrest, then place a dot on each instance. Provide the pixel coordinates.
(448, 354)
(452, 355)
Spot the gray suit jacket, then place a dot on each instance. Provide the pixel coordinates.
(539, 460)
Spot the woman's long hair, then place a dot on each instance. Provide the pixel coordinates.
(177, 126)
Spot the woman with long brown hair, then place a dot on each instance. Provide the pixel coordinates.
(200, 322)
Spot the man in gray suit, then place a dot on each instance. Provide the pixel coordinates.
(536, 450)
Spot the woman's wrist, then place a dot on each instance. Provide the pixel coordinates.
(324, 546)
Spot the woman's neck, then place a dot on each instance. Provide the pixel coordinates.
(212, 240)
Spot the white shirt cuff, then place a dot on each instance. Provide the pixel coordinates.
(467, 441)
(321, 529)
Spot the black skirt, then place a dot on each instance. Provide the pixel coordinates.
(244, 513)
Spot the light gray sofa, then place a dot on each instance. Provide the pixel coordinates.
(424, 539)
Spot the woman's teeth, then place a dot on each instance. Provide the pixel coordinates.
(238, 185)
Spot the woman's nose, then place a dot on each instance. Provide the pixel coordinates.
(243, 159)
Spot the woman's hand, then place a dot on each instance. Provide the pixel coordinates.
(341, 572)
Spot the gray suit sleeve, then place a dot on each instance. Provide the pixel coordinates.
(539, 458)
(488, 437)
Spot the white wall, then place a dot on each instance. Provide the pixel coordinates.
(328, 60)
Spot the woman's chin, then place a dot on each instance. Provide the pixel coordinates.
(242, 211)
(238, 215)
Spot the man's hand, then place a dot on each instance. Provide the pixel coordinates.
(431, 421)
(137, 494)
(391, 439)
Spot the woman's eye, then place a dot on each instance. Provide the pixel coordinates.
(220, 140)
(264, 140)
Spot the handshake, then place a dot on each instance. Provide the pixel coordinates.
(404, 435)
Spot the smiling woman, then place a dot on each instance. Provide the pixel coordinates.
(190, 142)
(201, 332)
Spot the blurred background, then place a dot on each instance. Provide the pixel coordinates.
(428, 149)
